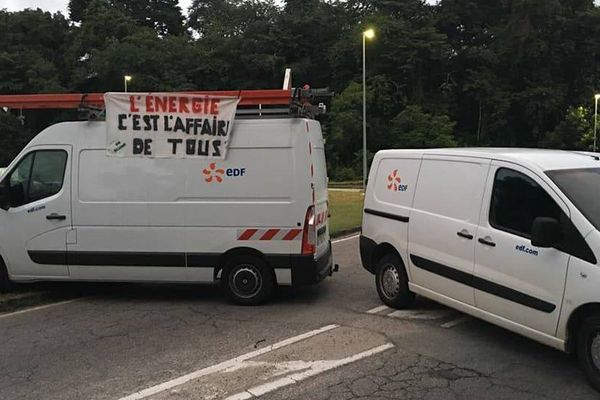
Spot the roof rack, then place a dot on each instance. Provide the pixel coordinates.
(253, 103)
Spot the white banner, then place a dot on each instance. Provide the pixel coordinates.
(168, 125)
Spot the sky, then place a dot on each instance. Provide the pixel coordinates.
(61, 5)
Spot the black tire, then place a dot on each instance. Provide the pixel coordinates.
(392, 283)
(5, 283)
(588, 349)
(248, 280)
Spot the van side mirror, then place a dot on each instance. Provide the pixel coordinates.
(545, 232)
(4, 204)
(16, 195)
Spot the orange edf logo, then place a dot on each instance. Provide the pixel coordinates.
(212, 172)
(394, 180)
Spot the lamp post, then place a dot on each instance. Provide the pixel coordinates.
(596, 97)
(126, 79)
(368, 34)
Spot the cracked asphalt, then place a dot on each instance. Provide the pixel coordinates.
(123, 338)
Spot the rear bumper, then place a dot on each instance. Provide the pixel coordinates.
(367, 248)
(306, 270)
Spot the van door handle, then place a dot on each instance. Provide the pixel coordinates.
(56, 217)
(486, 242)
(465, 234)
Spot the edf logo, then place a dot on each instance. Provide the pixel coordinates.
(215, 174)
(235, 171)
(394, 182)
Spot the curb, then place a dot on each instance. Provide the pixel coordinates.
(345, 232)
(22, 300)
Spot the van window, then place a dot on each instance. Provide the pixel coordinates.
(582, 187)
(517, 200)
(38, 175)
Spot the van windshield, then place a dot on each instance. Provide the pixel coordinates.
(582, 187)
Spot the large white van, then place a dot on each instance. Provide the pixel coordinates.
(253, 220)
(508, 235)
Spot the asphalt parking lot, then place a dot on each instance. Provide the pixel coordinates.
(330, 341)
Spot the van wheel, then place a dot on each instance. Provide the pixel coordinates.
(248, 280)
(392, 282)
(588, 349)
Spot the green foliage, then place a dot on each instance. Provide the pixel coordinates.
(575, 132)
(468, 72)
(414, 128)
(13, 137)
(164, 16)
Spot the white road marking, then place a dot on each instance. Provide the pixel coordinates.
(420, 314)
(345, 238)
(458, 321)
(58, 303)
(223, 365)
(240, 396)
(378, 309)
(317, 367)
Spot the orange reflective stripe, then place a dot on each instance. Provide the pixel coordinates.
(248, 233)
(291, 235)
(269, 234)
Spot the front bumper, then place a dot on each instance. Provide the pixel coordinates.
(306, 270)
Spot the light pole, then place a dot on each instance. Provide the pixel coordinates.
(126, 79)
(596, 97)
(368, 34)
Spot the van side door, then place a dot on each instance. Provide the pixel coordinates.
(443, 224)
(37, 213)
(514, 279)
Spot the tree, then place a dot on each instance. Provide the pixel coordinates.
(414, 128)
(31, 52)
(14, 137)
(575, 132)
(164, 16)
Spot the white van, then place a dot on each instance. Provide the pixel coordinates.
(253, 220)
(510, 236)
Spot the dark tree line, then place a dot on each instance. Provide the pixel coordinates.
(463, 72)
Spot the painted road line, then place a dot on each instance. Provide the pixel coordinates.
(345, 238)
(58, 303)
(421, 314)
(458, 321)
(317, 368)
(232, 363)
(378, 309)
(403, 314)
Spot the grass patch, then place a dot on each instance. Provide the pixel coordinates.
(345, 184)
(345, 208)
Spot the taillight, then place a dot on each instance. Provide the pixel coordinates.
(309, 233)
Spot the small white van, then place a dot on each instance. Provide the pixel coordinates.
(511, 236)
(253, 220)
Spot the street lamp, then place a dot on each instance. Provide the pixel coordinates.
(368, 34)
(126, 79)
(597, 97)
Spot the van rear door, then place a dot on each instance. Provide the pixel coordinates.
(319, 181)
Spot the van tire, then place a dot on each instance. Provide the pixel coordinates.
(588, 343)
(392, 282)
(248, 280)
(5, 283)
